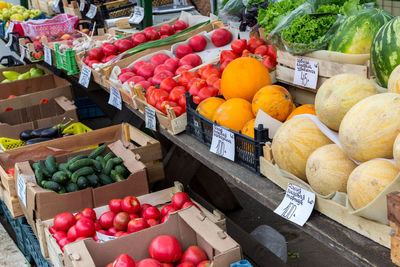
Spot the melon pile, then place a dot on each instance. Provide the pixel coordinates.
(368, 126)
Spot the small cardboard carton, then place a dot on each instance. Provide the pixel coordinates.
(22, 69)
(39, 203)
(57, 110)
(31, 92)
(189, 226)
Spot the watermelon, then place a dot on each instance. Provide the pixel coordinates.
(356, 33)
(385, 51)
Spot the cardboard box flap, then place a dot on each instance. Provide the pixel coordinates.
(65, 103)
(76, 257)
(127, 156)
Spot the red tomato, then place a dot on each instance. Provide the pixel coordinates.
(204, 264)
(167, 209)
(272, 52)
(78, 216)
(167, 29)
(11, 171)
(52, 230)
(138, 64)
(104, 232)
(164, 219)
(106, 219)
(186, 77)
(72, 235)
(178, 110)
(165, 248)
(211, 72)
(191, 59)
(194, 254)
(146, 70)
(124, 260)
(149, 91)
(163, 109)
(158, 59)
(97, 226)
(121, 220)
(135, 79)
(182, 69)
(159, 77)
(63, 242)
(131, 204)
(186, 264)
(200, 83)
(221, 37)
(217, 84)
(167, 265)
(91, 62)
(126, 70)
(212, 79)
(138, 38)
(246, 53)
(86, 60)
(152, 212)
(59, 235)
(115, 205)
(239, 45)
(261, 50)
(157, 96)
(178, 199)
(176, 93)
(123, 45)
(207, 92)
(80, 238)
(143, 207)
(164, 67)
(253, 43)
(89, 213)
(153, 222)
(63, 221)
(44, 101)
(109, 50)
(149, 263)
(269, 62)
(85, 227)
(95, 238)
(200, 70)
(188, 204)
(183, 50)
(224, 64)
(152, 35)
(112, 230)
(168, 84)
(196, 99)
(182, 101)
(227, 54)
(123, 77)
(145, 84)
(137, 225)
(173, 63)
(119, 233)
(198, 43)
(180, 25)
(133, 216)
(95, 54)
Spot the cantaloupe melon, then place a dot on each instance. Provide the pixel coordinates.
(328, 169)
(394, 81)
(338, 94)
(369, 128)
(294, 142)
(396, 151)
(368, 180)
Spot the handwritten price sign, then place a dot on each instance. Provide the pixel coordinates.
(306, 73)
(223, 143)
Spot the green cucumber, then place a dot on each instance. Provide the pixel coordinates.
(51, 164)
(81, 172)
(97, 165)
(60, 177)
(104, 179)
(72, 160)
(122, 170)
(43, 168)
(62, 167)
(101, 160)
(116, 176)
(93, 179)
(71, 187)
(39, 176)
(51, 185)
(82, 182)
(117, 161)
(109, 166)
(35, 165)
(80, 164)
(62, 191)
(97, 152)
(108, 156)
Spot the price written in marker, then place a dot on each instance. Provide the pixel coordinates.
(297, 204)
(115, 98)
(21, 189)
(223, 143)
(137, 15)
(306, 73)
(104, 238)
(47, 55)
(150, 118)
(92, 11)
(84, 79)
(82, 5)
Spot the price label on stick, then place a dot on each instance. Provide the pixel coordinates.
(47, 55)
(82, 5)
(306, 73)
(150, 118)
(297, 204)
(137, 15)
(115, 98)
(84, 79)
(92, 11)
(223, 143)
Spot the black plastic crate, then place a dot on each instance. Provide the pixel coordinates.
(10, 61)
(34, 248)
(8, 216)
(87, 109)
(247, 150)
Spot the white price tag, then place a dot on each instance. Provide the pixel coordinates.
(92, 11)
(223, 143)
(84, 79)
(21, 189)
(297, 204)
(47, 55)
(104, 238)
(137, 15)
(23, 52)
(306, 73)
(115, 98)
(150, 118)
(82, 5)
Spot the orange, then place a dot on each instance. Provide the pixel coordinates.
(248, 128)
(234, 114)
(209, 106)
(304, 109)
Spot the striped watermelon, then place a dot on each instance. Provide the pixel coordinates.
(356, 33)
(385, 51)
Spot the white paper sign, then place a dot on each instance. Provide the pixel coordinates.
(223, 143)
(23, 52)
(297, 204)
(268, 122)
(115, 98)
(21, 189)
(47, 55)
(82, 5)
(84, 79)
(306, 73)
(150, 118)
(104, 238)
(137, 15)
(92, 11)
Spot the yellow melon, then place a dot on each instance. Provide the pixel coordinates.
(328, 169)
(394, 81)
(370, 127)
(368, 180)
(396, 151)
(338, 94)
(294, 142)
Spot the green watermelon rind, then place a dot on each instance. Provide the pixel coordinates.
(385, 51)
(356, 33)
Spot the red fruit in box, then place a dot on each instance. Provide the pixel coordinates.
(119, 233)
(178, 111)
(138, 38)
(167, 265)
(164, 36)
(106, 219)
(86, 60)
(52, 230)
(112, 230)
(126, 70)
(168, 84)
(159, 104)
(191, 59)
(91, 62)
(149, 29)
(246, 53)
(163, 67)
(78, 216)
(144, 84)
(212, 79)
(182, 69)
(262, 50)
(89, 213)
(196, 99)
(180, 25)
(153, 222)
(207, 92)
(269, 62)
(165, 248)
(239, 45)
(126, 76)
(144, 206)
(97, 226)
(109, 58)
(124, 260)
(200, 83)
(164, 219)
(253, 43)
(173, 63)
(149, 263)
(186, 77)
(221, 37)
(158, 59)
(182, 103)
(109, 49)
(186, 264)
(85, 227)
(224, 64)
(210, 71)
(198, 43)
(272, 52)
(146, 70)
(167, 29)
(80, 238)
(95, 238)
(63, 242)
(133, 216)
(104, 232)
(95, 54)
(153, 212)
(130, 204)
(179, 199)
(194, 90)
(137, 225)
(227, 54)
(176, 92)
(138, 64)
(135, 79)
(63, 221)
(194, 255)
(59, 235)
(72, 235)
(183, 50)
(206, 263)
(152, 35)
(217, 85)
(115, 205)
(188, 204)
(123, 45)
(121, 220)
(159, 77)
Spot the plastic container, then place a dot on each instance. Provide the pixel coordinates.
(242, 263)
(87, 109)
(247, 150)
(8, 143)
(8, 215)
(10, 61)
(66, 61)
(33, 245)
(60, 23)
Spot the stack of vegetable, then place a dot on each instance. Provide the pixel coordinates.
(43, 134)
(80, 172)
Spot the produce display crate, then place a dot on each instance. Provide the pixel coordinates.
(87, 109)
(46, 8)
(33, 247)
(392, 7)
(21, 69)
(72, 8)
(11, 202)
(189, 226)
(50, 247)
(30, 54)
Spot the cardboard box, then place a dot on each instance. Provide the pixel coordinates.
(50, 248)
(22, 69)
(32, 91)
(37, 116)
(189, 226)
(39, 203)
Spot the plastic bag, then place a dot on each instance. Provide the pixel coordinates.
(232, 7)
